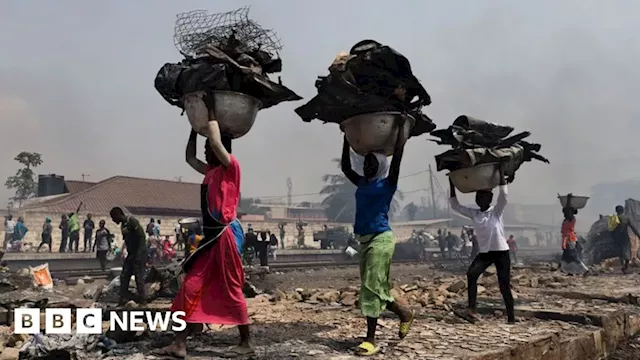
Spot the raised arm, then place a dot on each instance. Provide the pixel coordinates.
(215, 138)
(394, 168)
(345, 163)
(501, 203)
(455, 204)
(79, 206)
(190, 154)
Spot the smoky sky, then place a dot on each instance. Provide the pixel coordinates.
(76, 84)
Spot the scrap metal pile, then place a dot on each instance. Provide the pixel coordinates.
(476, 142)
(370, 78)
(600, 245)
(225, 51)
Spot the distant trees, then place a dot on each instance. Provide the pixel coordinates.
(24, 182)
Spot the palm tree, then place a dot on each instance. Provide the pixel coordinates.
(339, 201)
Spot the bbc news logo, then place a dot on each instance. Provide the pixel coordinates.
(89, 321)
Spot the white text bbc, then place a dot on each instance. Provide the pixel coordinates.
(89, 321)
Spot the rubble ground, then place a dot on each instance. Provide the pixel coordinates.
(313, 314)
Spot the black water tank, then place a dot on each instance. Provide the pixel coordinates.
(51, 184)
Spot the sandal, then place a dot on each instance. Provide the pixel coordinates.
(406, 326)
(237, 351)
(367, 349)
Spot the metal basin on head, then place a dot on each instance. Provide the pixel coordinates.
(577, 202)
(375, 132)
(234, 111)
(479, 177)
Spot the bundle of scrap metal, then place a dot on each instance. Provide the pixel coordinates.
(600, 245)
(225, 51)
(370, 78)
(477, 142)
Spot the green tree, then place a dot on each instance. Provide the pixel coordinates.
(24, 181)
(339, 200)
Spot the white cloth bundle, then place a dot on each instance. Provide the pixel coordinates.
(357, 164)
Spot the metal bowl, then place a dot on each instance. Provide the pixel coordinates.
(479, 177)
(375, 132)
(577, 202)
(234, 111)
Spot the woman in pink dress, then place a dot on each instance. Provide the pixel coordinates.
(212, 289)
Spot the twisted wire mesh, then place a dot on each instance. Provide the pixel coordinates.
(197, 29)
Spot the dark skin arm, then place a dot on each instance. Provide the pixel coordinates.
(190, 154)
(394, 168)
(503, 178)
(345, 164)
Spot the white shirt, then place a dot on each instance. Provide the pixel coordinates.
(488, 225)
(11, 224)
(178, 229)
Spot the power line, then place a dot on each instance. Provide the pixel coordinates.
(317, 192)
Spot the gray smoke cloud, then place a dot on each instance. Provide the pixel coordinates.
(76, 83)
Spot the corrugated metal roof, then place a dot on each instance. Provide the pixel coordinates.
(75, 186)
(126, 192)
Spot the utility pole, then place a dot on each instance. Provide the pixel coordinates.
(289, 190)
(84, 175)
(433, 194)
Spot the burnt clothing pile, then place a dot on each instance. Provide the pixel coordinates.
(230, 68)
(371, 78)
(478, 142)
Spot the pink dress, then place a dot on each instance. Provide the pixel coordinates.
(211, 292)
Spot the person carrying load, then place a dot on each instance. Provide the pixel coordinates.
(374, 195)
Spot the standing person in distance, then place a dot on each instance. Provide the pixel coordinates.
(570, 255)
(135, 245)
(102, 245)
(64, 232)
(374, 195)
(620, 234)
(47, 230)
(88, 227)
(211, 292)
(492, 245)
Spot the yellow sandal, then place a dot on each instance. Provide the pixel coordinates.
(367, 349)
(406, 326)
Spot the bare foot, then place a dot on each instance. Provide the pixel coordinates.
(171, 351)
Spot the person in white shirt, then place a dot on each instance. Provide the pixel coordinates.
(9, 226)
(492, 245)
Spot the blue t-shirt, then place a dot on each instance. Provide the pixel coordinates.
(373, 200)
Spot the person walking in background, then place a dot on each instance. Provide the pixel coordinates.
(211, 292)
(620, 233)
(135, 244)
(374, 194)
(74, 230)
(570, 242)
(475, 249)
(451, 241)
(442, 243)
(150, 226)
(263, 248)
(47, 231)
(102, 244)
(273, 244)
(193, 240)
(493, 247)
(156, 229)
(513, 248)
(19, 232)
(281, 226)
(64, 232)
(88, 227)
(9, 226)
